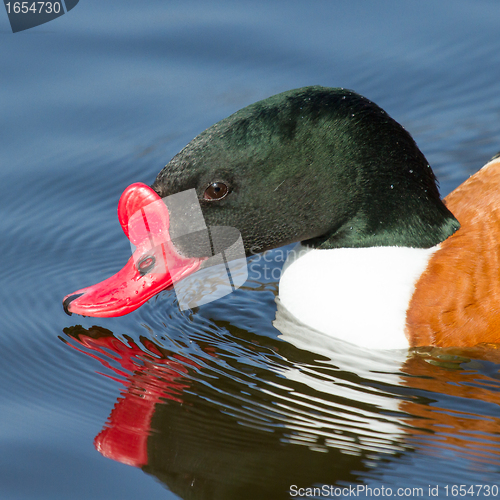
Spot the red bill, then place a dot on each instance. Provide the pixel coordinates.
(154, 266)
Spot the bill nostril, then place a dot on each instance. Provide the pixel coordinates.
(67, 301)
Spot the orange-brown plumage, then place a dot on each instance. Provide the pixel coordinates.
(457, 299)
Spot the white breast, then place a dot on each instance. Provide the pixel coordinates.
(360, 295)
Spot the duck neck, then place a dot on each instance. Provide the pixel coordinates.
(408, 225)
(381, 206)
(384, 192)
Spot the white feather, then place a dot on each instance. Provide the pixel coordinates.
(359, 295)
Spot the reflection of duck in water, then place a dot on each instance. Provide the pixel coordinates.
(386, 263)
(251, 416)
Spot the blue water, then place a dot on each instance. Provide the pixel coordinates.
(103, 97)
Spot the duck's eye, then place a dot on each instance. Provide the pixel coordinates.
(146, 264)
(216, 191)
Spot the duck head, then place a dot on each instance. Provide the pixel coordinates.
(323, 166)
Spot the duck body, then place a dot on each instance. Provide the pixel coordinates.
(330, 169)
(399, 297)
(360, 295)
(456, 301)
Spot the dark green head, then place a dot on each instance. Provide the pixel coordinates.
(320, 165)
